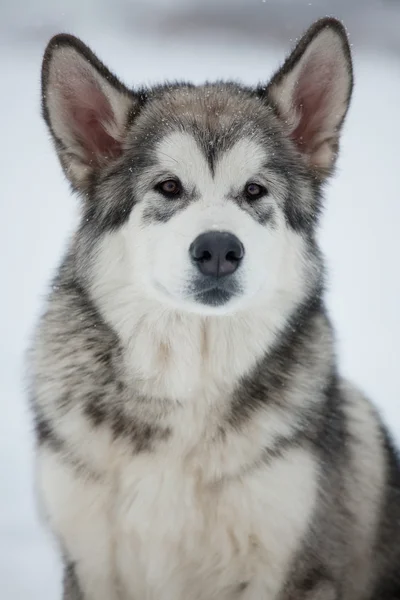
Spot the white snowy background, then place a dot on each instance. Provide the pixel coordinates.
(145, 42)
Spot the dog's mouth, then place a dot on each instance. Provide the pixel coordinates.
(208, 292)
(214, 291)
(213, 297)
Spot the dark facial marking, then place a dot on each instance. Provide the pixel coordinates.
(163, 209)
(109, 200)
(259, 210)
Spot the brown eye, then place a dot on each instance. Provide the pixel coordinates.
(169, 188)
(254, 191)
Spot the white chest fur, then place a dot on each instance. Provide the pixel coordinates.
(153, 530)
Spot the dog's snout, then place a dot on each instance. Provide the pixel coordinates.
(217, 253)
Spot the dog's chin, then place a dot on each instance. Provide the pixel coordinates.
(215, 302)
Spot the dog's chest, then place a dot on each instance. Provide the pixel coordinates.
(155, 530)
(181, 538)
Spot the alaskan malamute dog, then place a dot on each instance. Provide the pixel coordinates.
(194, 438)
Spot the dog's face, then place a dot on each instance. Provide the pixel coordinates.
(207, 231)
(202, 198)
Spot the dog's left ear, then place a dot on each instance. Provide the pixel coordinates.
(311, 93)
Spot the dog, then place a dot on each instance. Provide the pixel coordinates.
(195, 440)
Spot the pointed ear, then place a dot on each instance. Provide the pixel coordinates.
(85, 107)
(311, 93)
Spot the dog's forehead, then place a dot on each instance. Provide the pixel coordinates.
(206, 129)
(180, 153)
(207, 104)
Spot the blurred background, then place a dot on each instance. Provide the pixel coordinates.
(145, 41)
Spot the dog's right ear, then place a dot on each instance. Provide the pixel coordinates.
(85, 106)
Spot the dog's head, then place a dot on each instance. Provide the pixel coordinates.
(203, 198)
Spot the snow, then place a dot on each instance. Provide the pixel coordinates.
(359, 235)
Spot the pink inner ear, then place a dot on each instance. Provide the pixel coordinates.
(87, 111)
(313, 102)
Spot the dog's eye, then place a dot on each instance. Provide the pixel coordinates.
(169, 188)
(254, 191)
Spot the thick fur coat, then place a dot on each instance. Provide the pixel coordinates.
(194, 438)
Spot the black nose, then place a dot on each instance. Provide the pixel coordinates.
(217, 253)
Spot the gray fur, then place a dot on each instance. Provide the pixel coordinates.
(70, 584)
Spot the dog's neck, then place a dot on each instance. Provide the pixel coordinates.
(177, 355)
(198, 377)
